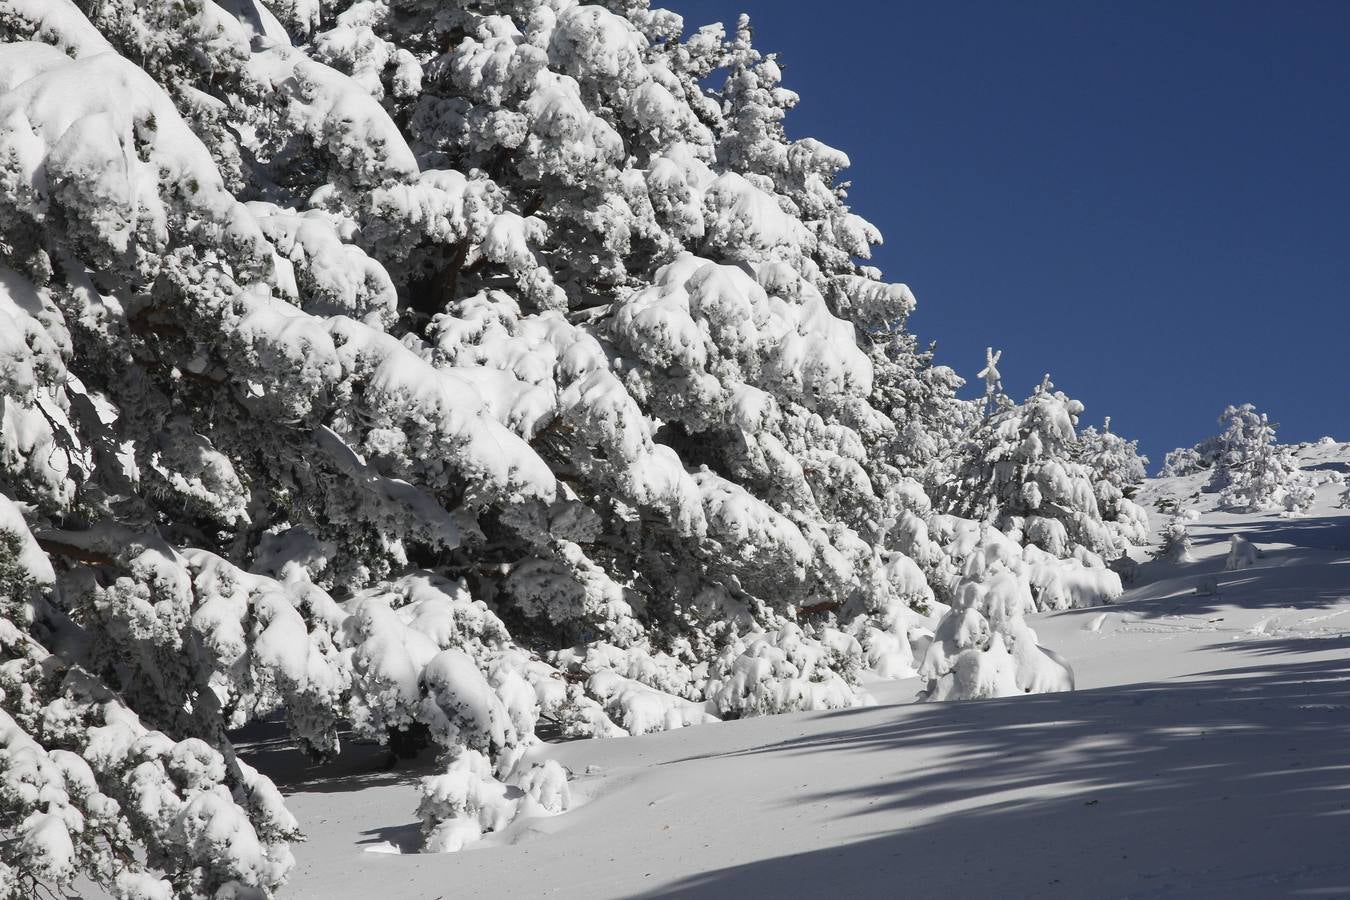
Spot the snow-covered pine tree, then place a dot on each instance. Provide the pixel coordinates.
(1252, 472)
(1020, 470)
(993, 381)
(1187, 461)
(373, 361)
(1037, 541)
(919, 397)
(1176, 543)
(1112, 458)
(1117, 469)
(983, 646)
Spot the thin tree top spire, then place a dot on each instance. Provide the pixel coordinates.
(993, 379)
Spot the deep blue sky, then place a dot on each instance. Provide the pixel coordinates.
(1150, 200)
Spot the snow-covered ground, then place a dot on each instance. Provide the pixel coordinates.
(1203, 754)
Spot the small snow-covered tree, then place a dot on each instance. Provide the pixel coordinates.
(1020, 470)
(1242, 554)
(983, 647)
(1117, 469)
(1252, 472)
(1112, 458)
(1176, 543)
(1185, 461)
(1248, 468)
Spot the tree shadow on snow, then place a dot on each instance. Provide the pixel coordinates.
(1301, 644)
(1310, 532)
(1237, 785)
(407, 838)
(1327, 467)
(269, 748)
(1208, 590)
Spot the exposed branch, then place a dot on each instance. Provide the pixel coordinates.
(817, 608)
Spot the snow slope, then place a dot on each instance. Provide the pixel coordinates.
(1202, 755)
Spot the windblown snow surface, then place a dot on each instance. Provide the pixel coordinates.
(1203, 754)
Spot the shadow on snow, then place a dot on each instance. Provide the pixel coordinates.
(268, 747)
(1219, 787)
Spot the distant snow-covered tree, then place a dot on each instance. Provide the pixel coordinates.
(1249, 469)
(1252, 472)
(1185, 461)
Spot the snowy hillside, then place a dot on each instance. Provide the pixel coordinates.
(1202, 755)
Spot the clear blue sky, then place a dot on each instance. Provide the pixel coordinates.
(1149, 200)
